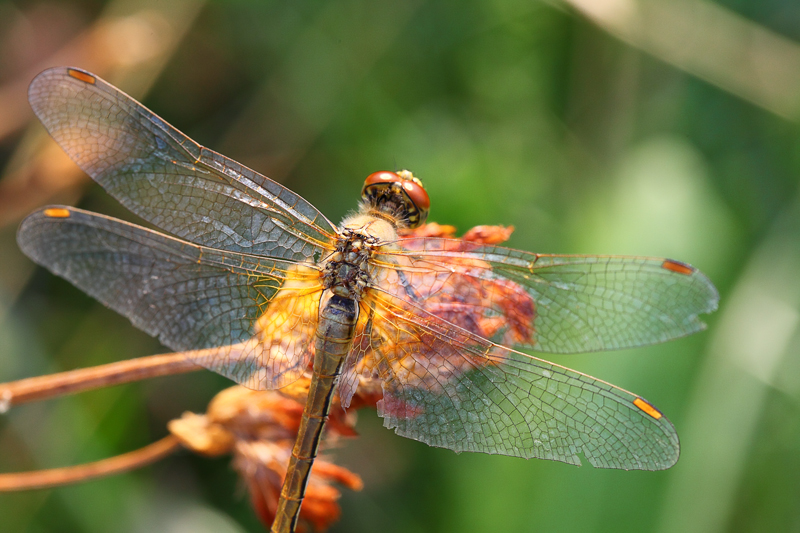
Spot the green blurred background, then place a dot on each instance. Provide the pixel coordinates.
(593, 126)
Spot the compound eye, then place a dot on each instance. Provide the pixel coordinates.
(384, 176)
(405, 188)
(417, 194)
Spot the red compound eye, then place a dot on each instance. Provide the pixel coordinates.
(417, 202)
(384, 176)
(417, 193)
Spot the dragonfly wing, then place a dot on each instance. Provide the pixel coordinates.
(447, 387)
(168, 179)
(248, 318)
(555, 303)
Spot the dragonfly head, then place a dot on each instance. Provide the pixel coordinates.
(399, 195)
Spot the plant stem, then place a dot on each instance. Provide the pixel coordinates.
(63, 383)
(56, 477)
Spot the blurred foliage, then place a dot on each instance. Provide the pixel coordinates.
(512, 112)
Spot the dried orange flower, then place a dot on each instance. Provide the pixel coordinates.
(259, 428)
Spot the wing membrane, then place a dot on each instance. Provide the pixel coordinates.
(554, 303)
(169, 180)
(248, 318)
(447, 387)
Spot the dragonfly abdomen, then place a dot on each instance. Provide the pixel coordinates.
(334, 334)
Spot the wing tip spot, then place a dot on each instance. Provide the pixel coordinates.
(82, 75)
(677, 267)
(57, 212)
(648, 408)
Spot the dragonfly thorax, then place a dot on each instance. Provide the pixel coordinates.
(345, 271)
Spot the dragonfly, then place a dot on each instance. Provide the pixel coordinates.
(256, 284)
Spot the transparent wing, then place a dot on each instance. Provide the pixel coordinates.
(550, 303)
(447, 387)
(248, 318)
(169, 180)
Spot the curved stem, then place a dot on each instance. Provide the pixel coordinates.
(63, 383)
(56, 477)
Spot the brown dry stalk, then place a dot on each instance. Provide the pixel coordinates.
(63, 383)
(56, 477)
